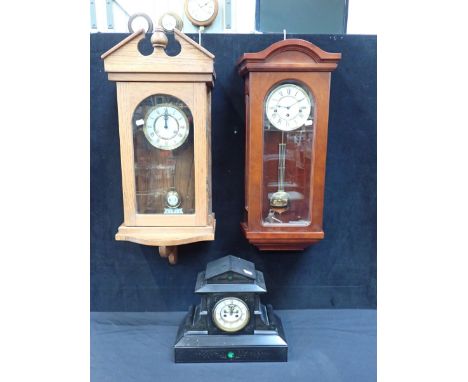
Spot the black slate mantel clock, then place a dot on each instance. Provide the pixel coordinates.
(230, 324)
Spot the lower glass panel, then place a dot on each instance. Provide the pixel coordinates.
(164, 156)
(287, 157)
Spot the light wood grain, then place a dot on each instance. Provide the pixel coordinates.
(188, 76)
(124, 98)
(162, 77)
(194, 95)
(166, 236)
(126, 58)
(169, 252)
(200, 120)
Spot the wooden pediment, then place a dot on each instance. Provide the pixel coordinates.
(291, 55)
(126, 58)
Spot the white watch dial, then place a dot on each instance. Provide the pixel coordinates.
(172, 199)
(168, 22)
(166, 127)
(231, 314)
(201, 10)
(288, 107)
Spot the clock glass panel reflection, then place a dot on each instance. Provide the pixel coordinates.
(288, 134)
(164, 156)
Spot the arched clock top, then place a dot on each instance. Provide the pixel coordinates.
(293, 55)
(287, 87)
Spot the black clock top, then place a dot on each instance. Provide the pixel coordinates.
(230, 274)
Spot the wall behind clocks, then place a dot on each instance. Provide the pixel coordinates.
(339, 272)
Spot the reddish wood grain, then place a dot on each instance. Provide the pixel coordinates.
(287, 60)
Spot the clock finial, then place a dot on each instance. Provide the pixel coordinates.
(159, 39)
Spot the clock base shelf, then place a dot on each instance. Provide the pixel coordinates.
(263, 346)
(166, 236)
(281, 241)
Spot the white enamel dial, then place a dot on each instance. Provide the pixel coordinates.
(201, 10)
(231, 314)
(166, 127)
(172, 199)
(288, 107)
(168, 22)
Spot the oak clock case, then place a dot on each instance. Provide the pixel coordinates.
(230, 324)
(164, 106)
(287, 90)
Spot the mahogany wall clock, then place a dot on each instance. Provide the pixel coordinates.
(287, 91)
(164, 106)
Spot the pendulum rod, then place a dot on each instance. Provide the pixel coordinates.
(281, 163)
(280, 198)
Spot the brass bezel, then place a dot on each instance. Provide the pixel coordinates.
(201, 23)
(230, 330)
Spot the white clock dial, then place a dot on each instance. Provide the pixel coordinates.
(172, 199)
(166, 127)
(231, 314)
(201, 10)
(171, 20)
(288, 107)
(168, 22)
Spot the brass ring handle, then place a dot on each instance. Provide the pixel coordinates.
(145, 16)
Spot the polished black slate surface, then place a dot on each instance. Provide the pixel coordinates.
(338, 272)
(324, 346)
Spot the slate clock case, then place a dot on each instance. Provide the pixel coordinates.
(230, 324)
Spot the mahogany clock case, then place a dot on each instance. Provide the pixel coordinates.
(338, 272)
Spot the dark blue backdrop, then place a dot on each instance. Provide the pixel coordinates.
(339, 272)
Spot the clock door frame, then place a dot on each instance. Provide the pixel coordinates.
(194, 95)
(259, 85)
(293, 60)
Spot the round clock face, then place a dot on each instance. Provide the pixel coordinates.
(202, 11)
(231, 314)
(171, 20)
(166, 127)
(172, 199)
(288, 107)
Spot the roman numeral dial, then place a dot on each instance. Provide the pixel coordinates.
(288, 107)
(166, 127)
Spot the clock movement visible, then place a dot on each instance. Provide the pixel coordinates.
(230, 324)
(287, 90)
(164, 106)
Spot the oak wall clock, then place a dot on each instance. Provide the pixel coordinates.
(164, 106)
(287, 90)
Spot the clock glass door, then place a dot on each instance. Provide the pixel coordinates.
(288, 133)
(164, 157)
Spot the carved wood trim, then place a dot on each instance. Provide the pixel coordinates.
(280, 56)
(125, 57)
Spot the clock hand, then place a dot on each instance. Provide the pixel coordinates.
(288, 107)
(296, 102)
(166, 116)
